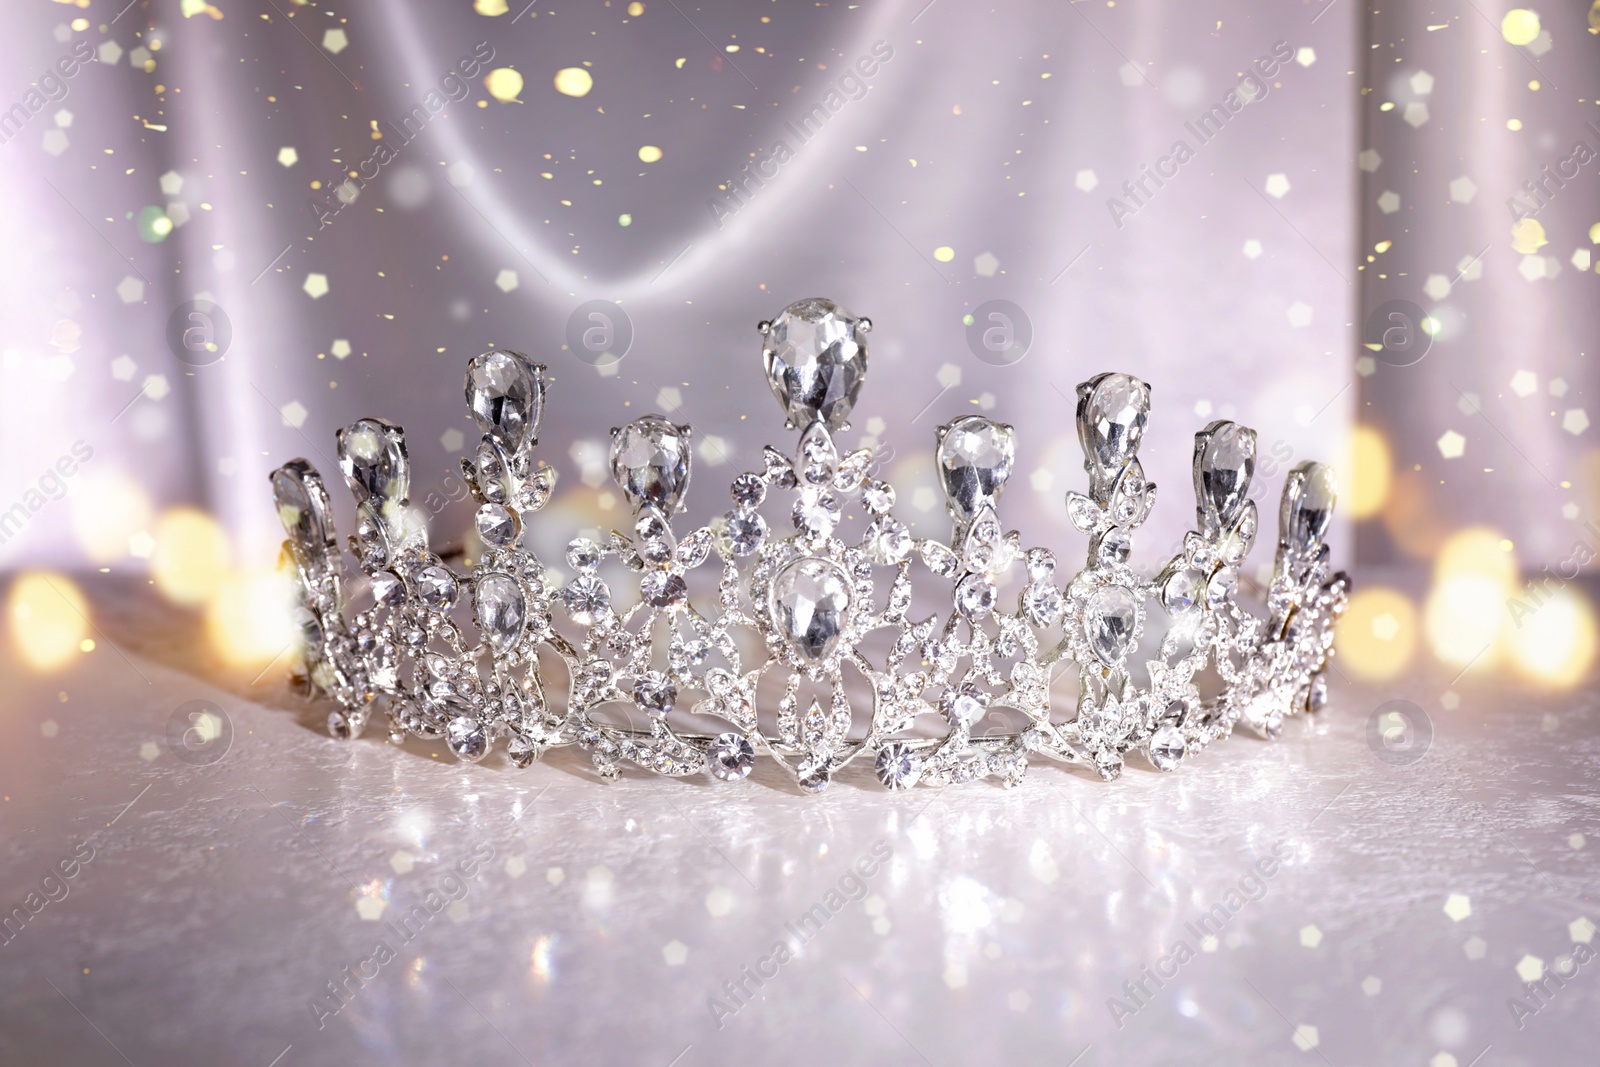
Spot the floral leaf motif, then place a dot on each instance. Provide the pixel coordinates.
(1085, 513)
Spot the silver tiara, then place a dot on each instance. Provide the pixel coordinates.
(768, 631)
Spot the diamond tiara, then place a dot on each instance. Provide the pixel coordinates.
(797, 611)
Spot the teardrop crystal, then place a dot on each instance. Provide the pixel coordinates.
(815, 355)
(505, 391)
(1308, 498)
(1224, 460)
(1109, 620)
(305, 512)
(809, 601)
(1112, 412)
(501, 610)
(975, 456)
(650, 462)
(372, 457)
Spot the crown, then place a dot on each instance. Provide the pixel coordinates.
(783, 634)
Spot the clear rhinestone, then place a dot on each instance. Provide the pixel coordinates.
(974, 456)
(1108, 761)
(748, 490)
(498, 525)
(731, 757)
(878, 497)
(522, 750)
(963, 706)
(663, 590)
(815, 354)
(1043, 603)
(818, 455)
(1222, 470)
(532, 494)
(505, 391)
(587, 599)
(1112, 412)
(1308, 499)
(810, 598)
(1041, 564)
(387, 589)
(650, 462)
(583, 554)
(490, 472)
(940, 560)
(1109, 620)
(372, 457)
(898, 765)
(975, 596)
(1181, 591)
(1221, 586)
(437, 588)
(467, 738)
(501, 609)
(816, 513)
(815, 779)
(1114, 547)
(304, 510)
(654, 692)
(1167, 748)
(339, 726)
(888, 542)
(744, 531)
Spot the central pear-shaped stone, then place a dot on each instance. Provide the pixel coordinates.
(815, 354)
(1225, 460)
(1109, 620)
(810, 600)
(650, 462)
(304, 510)
(1112, 412)
(505, 391)
(975, 456)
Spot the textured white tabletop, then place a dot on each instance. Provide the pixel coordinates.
(614, 923)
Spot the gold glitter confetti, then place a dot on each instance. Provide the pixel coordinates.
(1520, 26)
(636, 9)
(573, 81)
(944, 253)
(490, 7)
(503, 84)
(649, 153)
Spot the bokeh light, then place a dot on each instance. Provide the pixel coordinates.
(1365, 474)
(1378, 634)
(49, 619)
(1555, 643)
(107, 511)
(191, 556)
(249, 617)
(1462, 619)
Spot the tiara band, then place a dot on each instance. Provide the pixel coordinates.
(803, 607)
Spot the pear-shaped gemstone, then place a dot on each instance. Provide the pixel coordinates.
(372, 457)
(305, 512)
(1308, 498)
(501, 609)
(975, 456)
(1112, 412)
(1109, 620)
(815, 355)
(1224, 460)
(810, 600)
(650, 462)
(505, 391)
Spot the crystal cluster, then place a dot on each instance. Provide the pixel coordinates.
(783, 569)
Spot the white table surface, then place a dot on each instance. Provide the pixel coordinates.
(222, 898)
